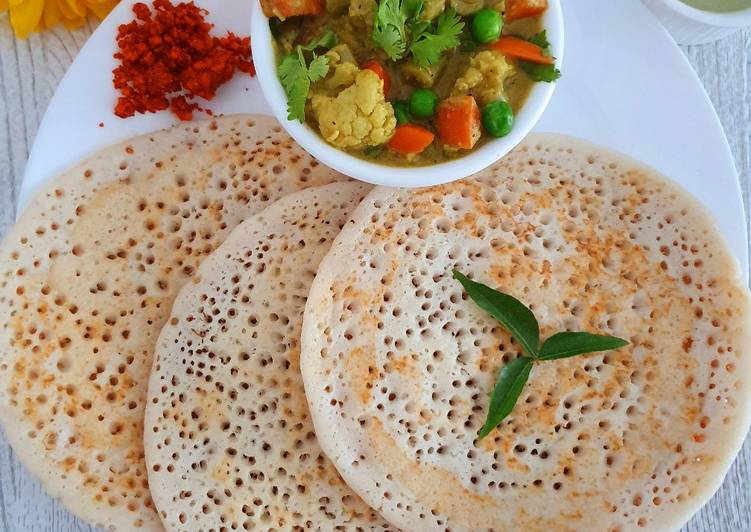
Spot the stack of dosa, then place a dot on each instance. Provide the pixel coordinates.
(396, 362)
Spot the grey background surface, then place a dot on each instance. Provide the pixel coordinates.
(29, 72)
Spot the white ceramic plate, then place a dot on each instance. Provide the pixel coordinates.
(638, 96)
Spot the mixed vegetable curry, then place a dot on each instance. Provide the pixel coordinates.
(409, 82)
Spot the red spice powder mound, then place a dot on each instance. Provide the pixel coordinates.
(168, 57)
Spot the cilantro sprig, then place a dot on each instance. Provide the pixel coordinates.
(296, 74)
(390, 25)
(397, 30)
(537, 72)
(326, 41)
(520, 321)
(429, 43)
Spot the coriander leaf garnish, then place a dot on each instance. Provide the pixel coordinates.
(372, 151)
(296, 75)
(428, 43)
(509, 385)
(537, 72)
(398, 29)
(522, 324)
(413, 8)
(467, 42)
(569, 344)
(541, 40)
(293, 74)
(327, 40)
(318, 68)
(512, 313)
(547, 73)
(390, 25)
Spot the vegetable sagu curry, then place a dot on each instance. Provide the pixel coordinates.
(409, 82)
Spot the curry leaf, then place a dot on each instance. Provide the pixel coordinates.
(512, 313)
(522, 324)
(569, 344)
(508, 387)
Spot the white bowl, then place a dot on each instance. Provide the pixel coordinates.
(689, 25)
(378, 174)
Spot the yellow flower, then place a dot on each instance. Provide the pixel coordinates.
(27, 16)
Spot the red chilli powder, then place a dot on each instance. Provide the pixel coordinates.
(168, 58)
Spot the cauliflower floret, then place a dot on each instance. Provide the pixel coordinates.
(341, 53)
(466, 7)
(358, 116)
(423, 76)
(484, 77)
(432, 8)
(342, 70)
(496, 5)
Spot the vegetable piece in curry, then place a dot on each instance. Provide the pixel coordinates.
(409, 82)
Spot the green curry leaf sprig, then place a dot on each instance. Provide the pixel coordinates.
(522, 324)
(398, 29)
(296, 74)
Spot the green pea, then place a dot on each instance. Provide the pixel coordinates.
(486, 25)
(423, 103)
(497, 118)
(401, 111)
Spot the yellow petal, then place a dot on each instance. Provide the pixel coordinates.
(101, 8)
(78, 7)
(3, 5)
(25, 17)
(65, 9)
(74, 23)
(52, 14)
(40, 25)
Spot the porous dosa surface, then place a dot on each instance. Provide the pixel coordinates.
(229, 440)
(89, 274)
(398, 363)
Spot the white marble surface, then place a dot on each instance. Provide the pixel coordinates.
(29, 72)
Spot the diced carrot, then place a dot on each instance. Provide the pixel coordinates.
(410, 138)
(291, 8)
(382, 73)
(521, 49)
(459, 122)
(516, 9)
